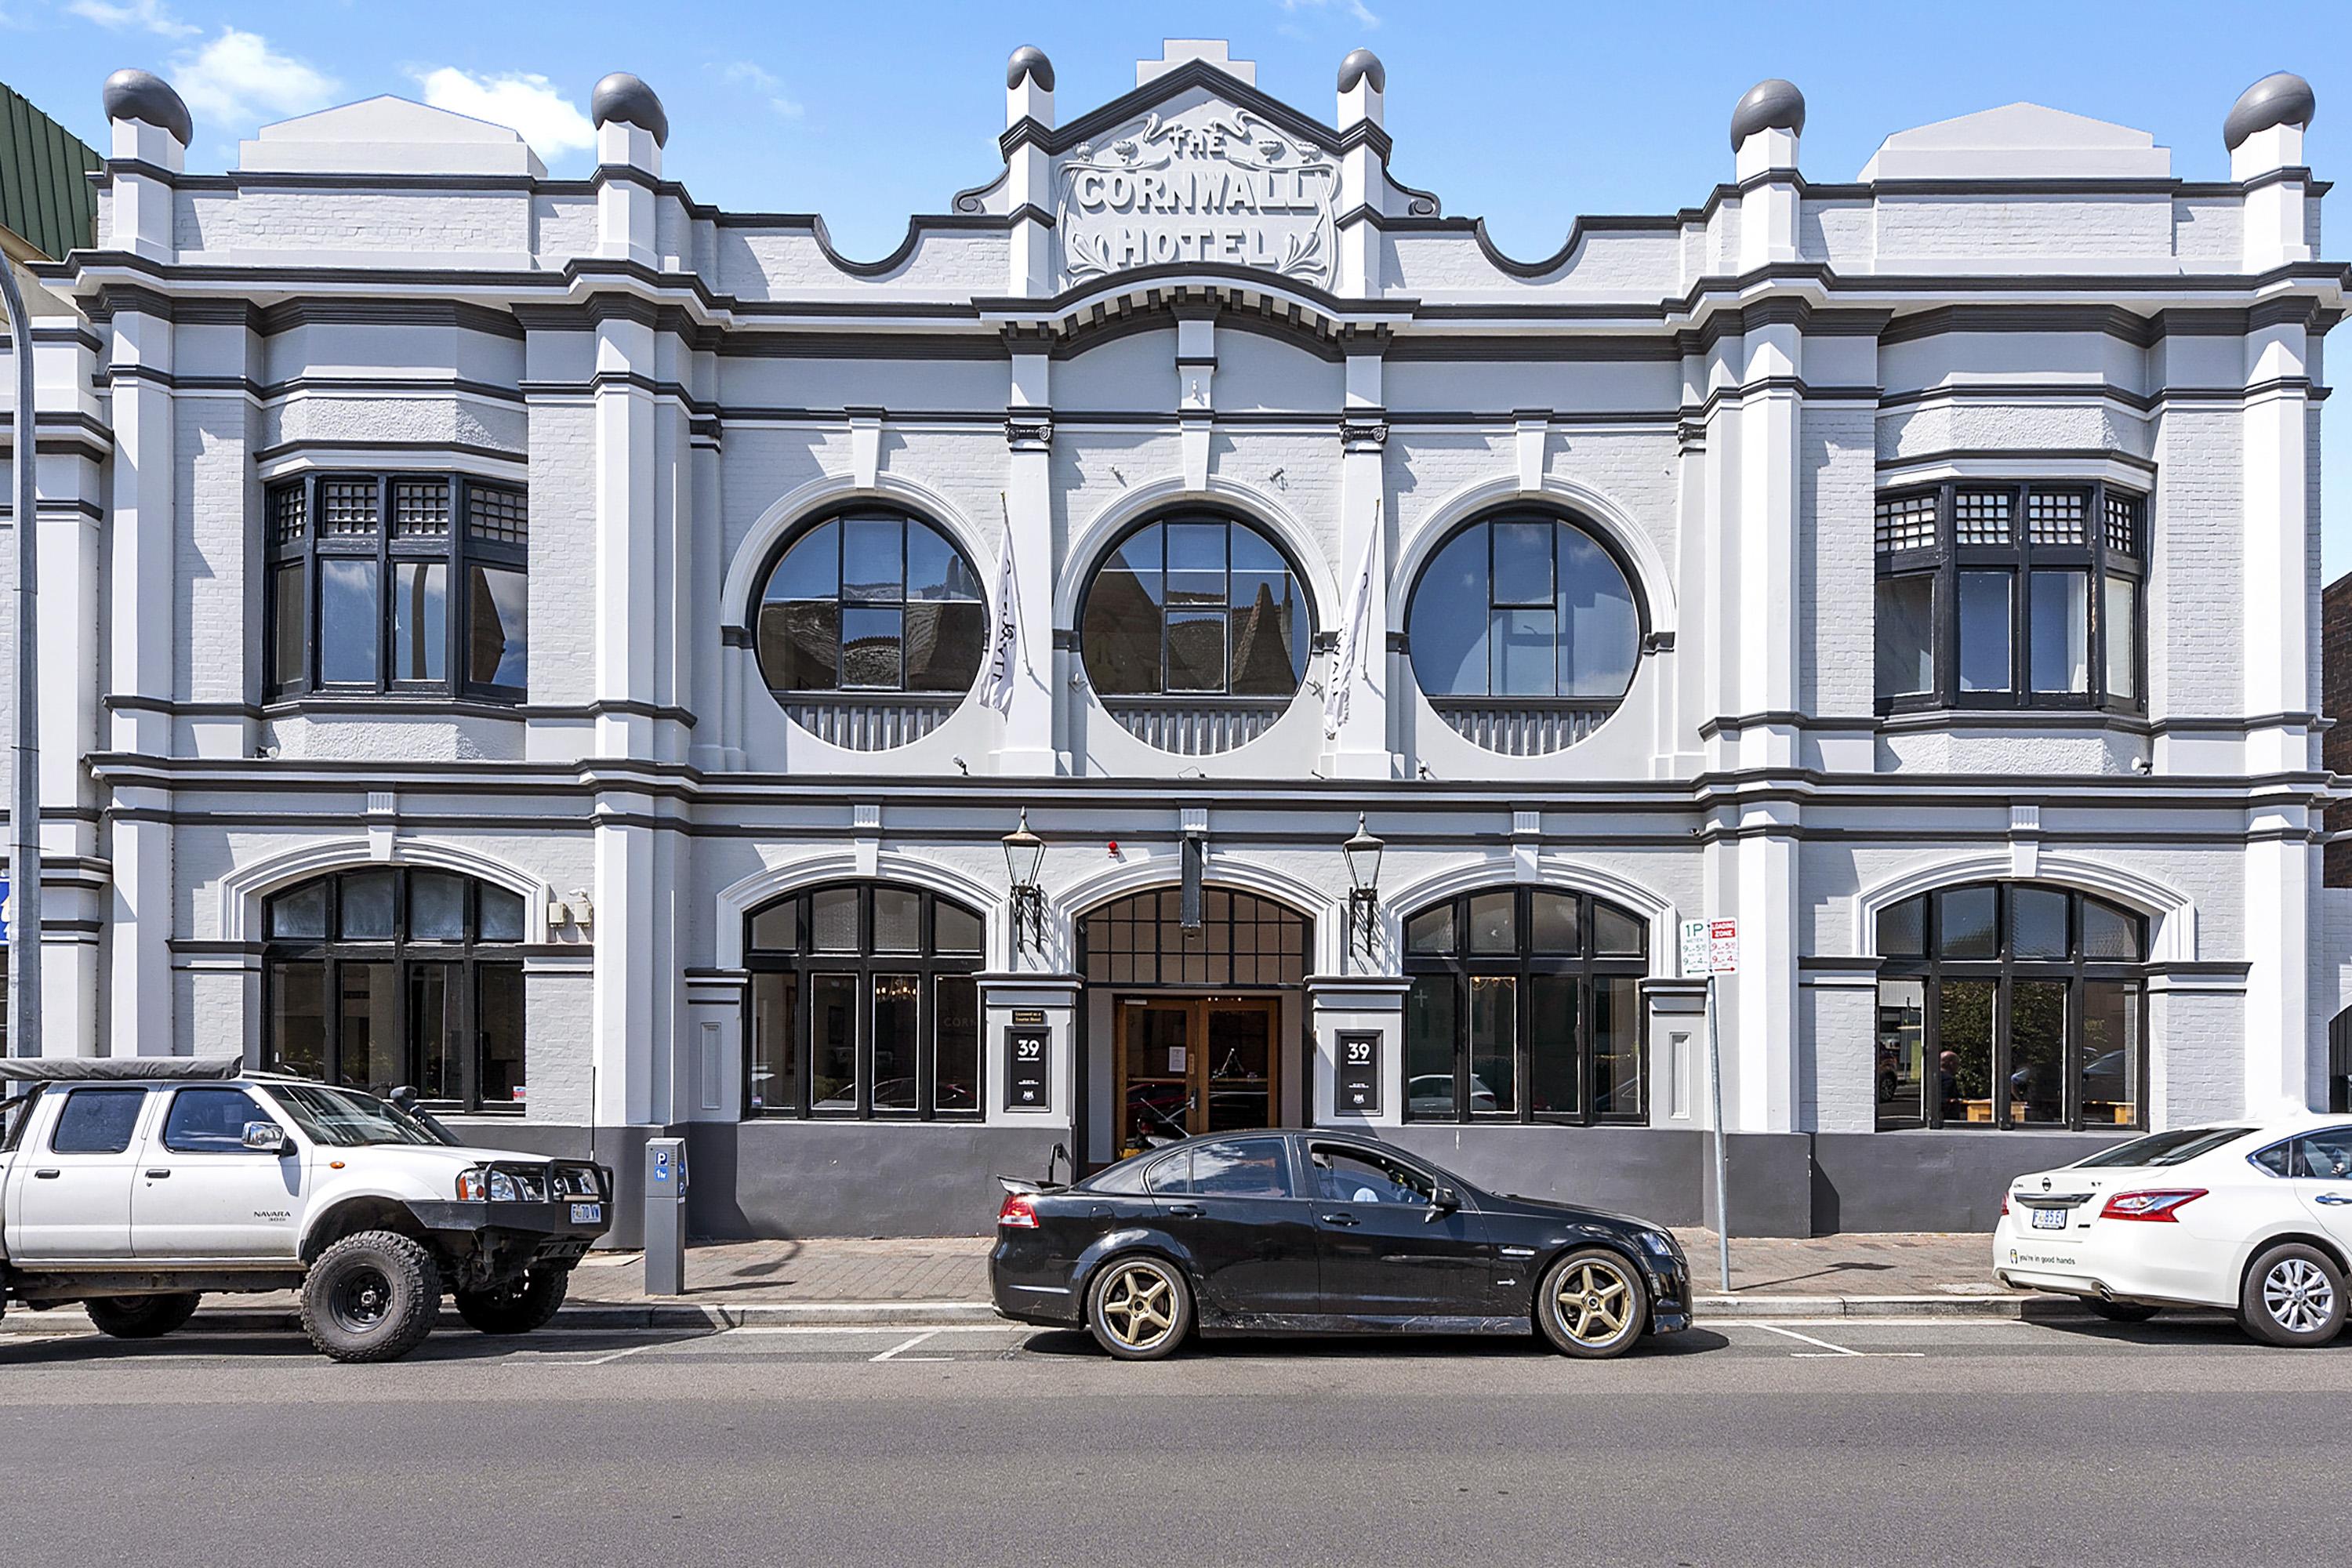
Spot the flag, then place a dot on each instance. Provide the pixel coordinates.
(1355, 637)
(1005, 656)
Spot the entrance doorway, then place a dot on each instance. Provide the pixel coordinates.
(1194, 1064)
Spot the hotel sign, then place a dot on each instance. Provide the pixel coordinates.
(1215, 185)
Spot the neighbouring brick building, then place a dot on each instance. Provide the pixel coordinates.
(601, 658)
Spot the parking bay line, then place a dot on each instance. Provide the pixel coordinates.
(1827, 1350)
(894, 1351)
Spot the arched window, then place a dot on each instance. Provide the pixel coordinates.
(1195, 631)
(865, 1003)
(871, 627)
(398, 975)
(1525, 1005)
(1525, 632)
(2007, 1005)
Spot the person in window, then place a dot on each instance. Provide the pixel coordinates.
(1947, 1086)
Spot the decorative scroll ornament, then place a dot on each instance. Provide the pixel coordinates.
(1215, 185)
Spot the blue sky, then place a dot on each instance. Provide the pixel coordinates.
(1527, 114)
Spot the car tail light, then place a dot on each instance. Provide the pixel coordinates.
(2165, 1206)
(1020, 1212)
(2004, 1206)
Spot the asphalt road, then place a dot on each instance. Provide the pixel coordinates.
(1798, 1443)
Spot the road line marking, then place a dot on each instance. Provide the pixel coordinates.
(1827, 1351)
(633, 1350)
(1792, 1333)
(884, 1329)
(910, 1344)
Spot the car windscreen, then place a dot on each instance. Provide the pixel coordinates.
(2175, 1148)
(345, 1118)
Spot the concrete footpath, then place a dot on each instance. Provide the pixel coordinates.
(944, 1281)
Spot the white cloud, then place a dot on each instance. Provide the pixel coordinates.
(152, 16)
(237, 79)
(1355, 8)
(531, 104)
(752, 74)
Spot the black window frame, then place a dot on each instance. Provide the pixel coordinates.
(470, 955)
(840, 517)
(2077, 970)
(1520, 512)
(804, 963)
(1194, 513)
(464, 545)
(1944, 559)
(1585, 966)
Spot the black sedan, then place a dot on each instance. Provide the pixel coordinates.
(1287, 1232)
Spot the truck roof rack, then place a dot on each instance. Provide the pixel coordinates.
(119, 1069)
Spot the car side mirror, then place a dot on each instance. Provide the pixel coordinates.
(268, 1138)
(1444, 1201)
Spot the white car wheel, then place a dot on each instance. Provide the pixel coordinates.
(2294, 1296)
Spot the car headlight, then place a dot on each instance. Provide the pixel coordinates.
(472, 1185)
(577, 1182)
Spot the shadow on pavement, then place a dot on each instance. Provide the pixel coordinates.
(1079, 1345)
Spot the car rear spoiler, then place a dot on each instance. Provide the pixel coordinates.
(1024, 1184)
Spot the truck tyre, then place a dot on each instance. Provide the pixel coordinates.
(517, 1306)
(142, 1317)
(372, 1297)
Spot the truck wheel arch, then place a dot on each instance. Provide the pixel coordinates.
(350, 1216)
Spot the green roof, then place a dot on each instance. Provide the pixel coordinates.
(46, 199)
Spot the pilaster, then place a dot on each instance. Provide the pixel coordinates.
(1029, 741)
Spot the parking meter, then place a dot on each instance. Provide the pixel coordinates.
(665, 1216)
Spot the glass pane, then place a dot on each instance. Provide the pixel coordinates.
(2119, 605)
(955, 1070)
(367, 900)
(1196, 650)
(437, 906)
(420, 620)
(1494, 922)
(777, 928)
(1903, 929)
(897, 920)
(1429, 1035)
(2111, 1045)
(1240, 1043)
(775, 1061)
(957, 929)
(501, 914)
(436, 1031)
(1616, 934)
(1122, 632)
(1967, 923)
(833, 916)
(1526, 655)
(2037, 1052)
(1907, 635)
(2037, 923)
(800, 645)
(1984, 631)
(810, 569)
(1554, 917)
(298, 1018)
(1601, 629)
(935, 569)
(2060, 638)
(944, 644)
(1555, 1083)
(1522, 562)
(302, 912)
(497, 641)
(1245, 1168)
(898, 1026)
(1617, 1089)
(286, 626)
(2110, 932)
(1269, 656)
(870, 648)
(370, 1043)
(1964, 1051)
(498, 990)
(873, 569)
(833, 1026)
(1196, 562)
(348, 622)
(1446, 624)
(1902, 1063)
(1494, 1043)
(1431, 931)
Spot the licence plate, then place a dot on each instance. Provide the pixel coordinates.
(2044, 1219)
(594, 1213)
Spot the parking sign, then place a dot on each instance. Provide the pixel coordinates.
(1723, 947)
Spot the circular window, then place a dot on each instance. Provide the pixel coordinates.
(871, 628)
(1195, 633)
(1525, 632)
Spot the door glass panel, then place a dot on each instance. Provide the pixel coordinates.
(1429, 1034)
(833, 1026)
(1555, 1081)
(370, 1043)
(499, 1000)
(775, 1063)
(1245, 1168)
(210, 1120)
(956, 1044)
(97, 1121)
(298, 1018)
(2111, 1047)
(1964, 1051)
(1494, 1043)
(1159, 1068)
(1240, 1047)
(436, 1031)
(896, 1028)
(1902, 1059)
(1349, 1176)
(2037, 1052)
(1617, 1087)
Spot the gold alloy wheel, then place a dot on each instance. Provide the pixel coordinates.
(1591, 1300)
(1138, 1306)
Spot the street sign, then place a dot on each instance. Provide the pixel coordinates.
(1723, 947)
(1694, 949)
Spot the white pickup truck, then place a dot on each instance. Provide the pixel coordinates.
(133, 1185)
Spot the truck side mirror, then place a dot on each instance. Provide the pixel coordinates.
(268, 1138)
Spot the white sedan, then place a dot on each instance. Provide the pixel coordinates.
(2253, 1218)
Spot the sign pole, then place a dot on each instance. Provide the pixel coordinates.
(1722, 1190)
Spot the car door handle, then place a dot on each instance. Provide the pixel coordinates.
(164, 1172)
(1186, 1211)
(49, 1175)
(1341, 1218)
(2332, 1198)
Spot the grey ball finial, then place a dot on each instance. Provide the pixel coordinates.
(1028, 61)
(2280, 98)
(628, 100)
(1360, 64)
(1771, 104)
(143, 95)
